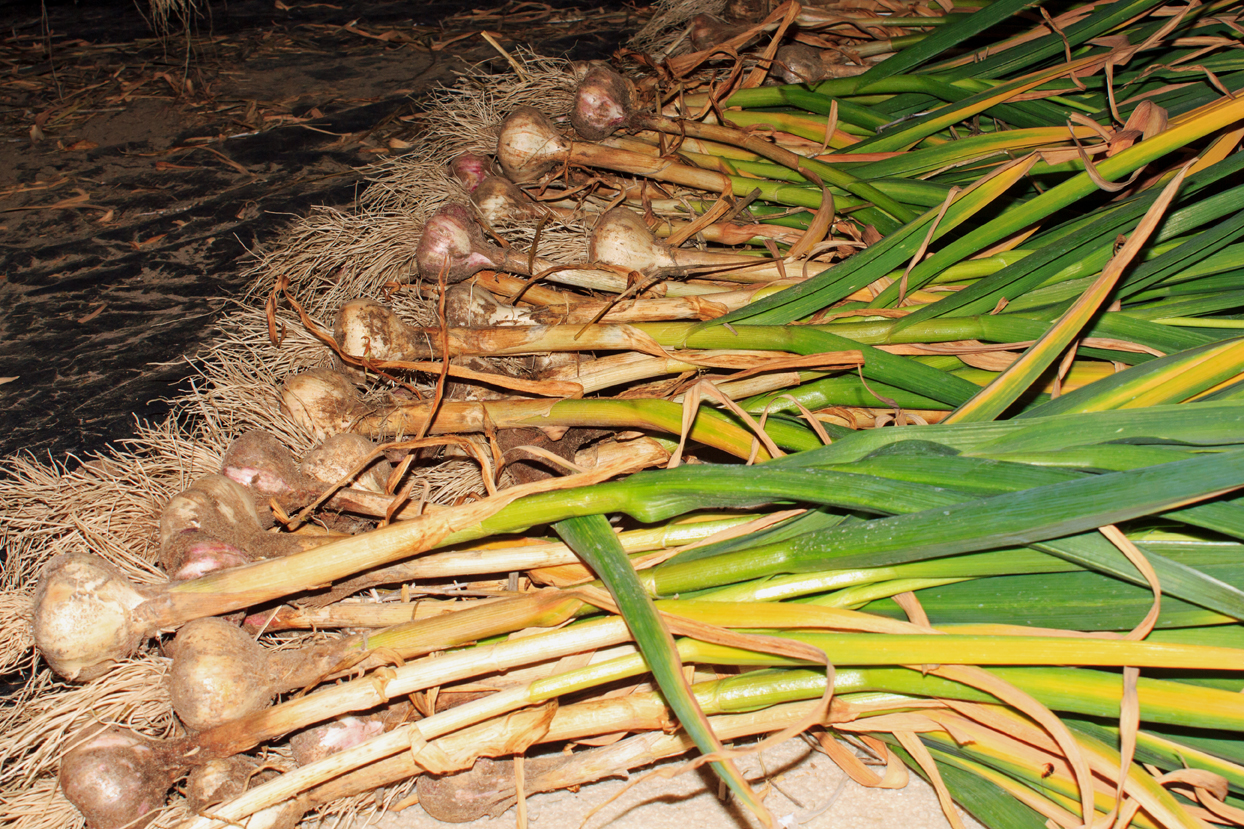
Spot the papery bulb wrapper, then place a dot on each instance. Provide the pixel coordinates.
(338, 455)
(116, 779)
(799, 63)
(621, 238)
(604, 103)
(369, 329)
(195, 554)
(529, 145)
(215, 505)
(321, 401)
(83, 616)
(470, 169)
(452, 247)
(325, 740)
(707, 31)
(258, 460)
(499, 199)
(218, 674)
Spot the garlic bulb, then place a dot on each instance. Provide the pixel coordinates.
(797, 63)
(217, 674)
(470, 169)
(529, 145)
(321, 401)
(117, 779)
(621, 238)
(604, 103)
(367, 328)
(452, 247)
(499, 199)
(257, 460)
(83, 620)
(337, 455)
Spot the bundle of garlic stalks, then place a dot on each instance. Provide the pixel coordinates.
(901, 408)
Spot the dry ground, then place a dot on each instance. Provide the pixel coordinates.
(137, 173)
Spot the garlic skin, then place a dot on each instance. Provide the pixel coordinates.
(286, 815)
(486, 789)
(202, 555)
(325, 740)
(452, 247)
(337, 455)
(471, 306)
(218, 780)
(268, 469)
(260, 462)
(220, 673)
(215, 505)
(368, 329)
(604, 103)
(321, 402)
(84, 616)
(217, 674)
(529, 145)
(499, 200)
(117, 779)
(707, 31)
(215, 523)
(799, 63)
(621, 238)
(469, 169)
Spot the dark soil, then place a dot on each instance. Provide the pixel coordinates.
(137, 173)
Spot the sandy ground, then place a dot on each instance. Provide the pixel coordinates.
(807, 792)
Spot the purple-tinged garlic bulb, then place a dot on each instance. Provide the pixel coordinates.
(325, 740)
(257, 460)
(268, 468)
(470, 169)
(83, 616)
(117, 779)
(529, 145)
(322, 402)
(604, 103)
(215, 505)
(214, 524)
(453, 247)
(196, 555)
